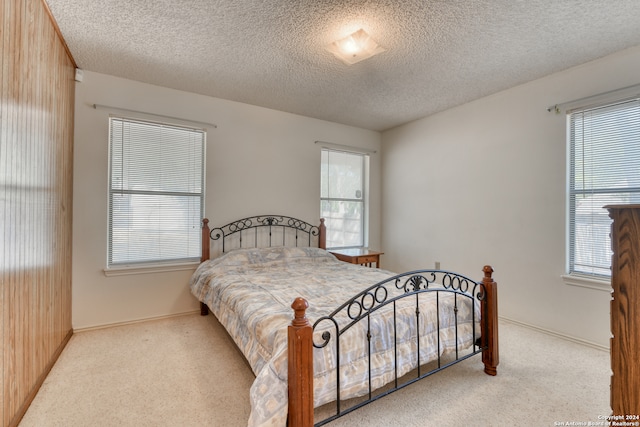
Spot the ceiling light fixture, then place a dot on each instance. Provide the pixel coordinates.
(355, 47)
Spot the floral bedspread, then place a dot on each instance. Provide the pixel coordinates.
(250, 291)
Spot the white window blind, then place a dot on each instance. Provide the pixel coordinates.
(156, 192)
(604, 160)
(342, 197)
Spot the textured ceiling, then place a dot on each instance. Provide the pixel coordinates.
(272, 53)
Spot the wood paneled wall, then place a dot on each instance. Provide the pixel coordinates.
(36, 165)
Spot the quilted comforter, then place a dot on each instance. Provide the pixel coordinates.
(250, 291)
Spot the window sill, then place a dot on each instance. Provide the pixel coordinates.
(158, 268)
(587, 282)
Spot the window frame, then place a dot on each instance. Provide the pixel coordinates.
(574, 276)
(155, 265)
(364, 200)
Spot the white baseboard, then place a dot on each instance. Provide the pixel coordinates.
(131, 322)
(556, 334)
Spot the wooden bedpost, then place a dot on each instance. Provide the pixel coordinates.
(489, 308)
(322, 239)
(300, 367)
(206, 240)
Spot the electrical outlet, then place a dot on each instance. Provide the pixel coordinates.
(437, 265)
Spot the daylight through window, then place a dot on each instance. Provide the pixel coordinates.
(604, 144)
(342, 197)
(156, 192)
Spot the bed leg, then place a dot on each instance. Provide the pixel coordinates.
(204, 310)
(490, 356)
(300, 367)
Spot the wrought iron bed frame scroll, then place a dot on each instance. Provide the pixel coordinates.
(255, 223)
(359, 308)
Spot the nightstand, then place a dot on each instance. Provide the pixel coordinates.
(360, 256)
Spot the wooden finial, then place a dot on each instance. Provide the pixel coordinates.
(299, 307)
(488, 271)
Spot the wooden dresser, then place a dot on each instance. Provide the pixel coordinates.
(625, 310)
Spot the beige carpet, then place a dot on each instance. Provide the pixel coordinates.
(185, 371)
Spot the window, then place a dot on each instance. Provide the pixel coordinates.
(156, 192)
(342, 197)
(604, 145)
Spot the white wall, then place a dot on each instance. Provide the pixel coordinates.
(258, 161)
(484, 183)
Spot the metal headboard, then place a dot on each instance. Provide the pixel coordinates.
(275, 230)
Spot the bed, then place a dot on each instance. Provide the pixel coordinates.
(374, 331)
